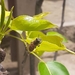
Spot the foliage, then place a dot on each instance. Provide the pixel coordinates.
(36, 41)
(52, 68)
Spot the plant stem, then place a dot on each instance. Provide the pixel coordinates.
(37, 56)
(16, 37)
(70, 51)
(8, 31)
(41, 61)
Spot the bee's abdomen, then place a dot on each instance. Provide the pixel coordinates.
(33, 44)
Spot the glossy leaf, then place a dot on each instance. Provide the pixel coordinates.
(40, 16)
(57, 68)
(28, 23)
(43, 70)
(52, 68)
(56, 34)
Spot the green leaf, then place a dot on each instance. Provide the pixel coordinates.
(28, 23)
(33, 34)
(49, 47)
(48, 44)
(52, 68)
(57, 34)
(9, 20)
(39, 53)
(55, 40)
(40, 16)
(43, 70)
(28, 40)
(52, 39)
(45, 46)
(18, 31)
(57, 68)
(7, 13)
(2, 13)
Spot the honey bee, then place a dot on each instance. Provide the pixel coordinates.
(35, 43)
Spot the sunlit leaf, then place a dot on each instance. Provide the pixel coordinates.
(7, 13)
(40, 16)
(2, 13)
(28, 23)
(18, 31)
(38, 34)
(9, 20)
(49, 47)
(52, 68)
(57, 34)
(39, 53)
(29, 40)
(52, 39)
(55, 40)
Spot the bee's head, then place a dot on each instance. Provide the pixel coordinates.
(37, 41)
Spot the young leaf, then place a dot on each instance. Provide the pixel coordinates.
(28, 23)
(7, 13)
(49, 47)
(33, 34)
(18, 31)
(52, 33)
(40, 16)
(39, 53)
(9, 20)
(52, 68)
(29, 40)
(52, 39)
(45, 46)
(2, 13)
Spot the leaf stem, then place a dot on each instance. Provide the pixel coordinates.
(70, 51)
(8, 31)
(37, 56)
(15, 37)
